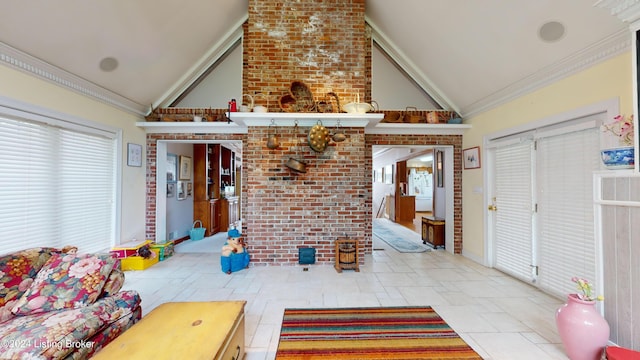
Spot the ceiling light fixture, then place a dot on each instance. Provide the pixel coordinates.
(108, 64)
(551, 31)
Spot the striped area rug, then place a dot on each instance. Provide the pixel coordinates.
(369, 333)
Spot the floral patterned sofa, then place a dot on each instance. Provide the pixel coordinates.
(57, 305)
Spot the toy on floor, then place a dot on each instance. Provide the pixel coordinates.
(234, 256)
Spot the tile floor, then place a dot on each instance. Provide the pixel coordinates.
(500, 317)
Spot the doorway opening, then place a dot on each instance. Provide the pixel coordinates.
(414, 181)
(210, 195)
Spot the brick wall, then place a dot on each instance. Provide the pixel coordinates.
(284, 210)
(322, 43)
(326, 45)
(287, 210)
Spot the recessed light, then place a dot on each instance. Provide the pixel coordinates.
(551, 31)
(108, 64)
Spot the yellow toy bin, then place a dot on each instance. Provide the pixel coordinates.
(138, 262)
(128, 249)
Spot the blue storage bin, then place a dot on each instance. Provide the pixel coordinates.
(235, 262)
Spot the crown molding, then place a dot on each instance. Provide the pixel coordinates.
(606, 49)
(625, 10)
(26, 63)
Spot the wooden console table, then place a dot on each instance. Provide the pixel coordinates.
(183, 330)
(347, 254)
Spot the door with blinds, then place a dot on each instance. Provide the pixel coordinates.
(543, 221)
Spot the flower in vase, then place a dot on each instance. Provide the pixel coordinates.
(586, 290)
(622, 128)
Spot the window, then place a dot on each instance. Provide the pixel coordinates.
(58, 183)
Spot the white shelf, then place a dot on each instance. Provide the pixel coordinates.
(417, 129)
(166, 127)
(305, 119)
(240, 122)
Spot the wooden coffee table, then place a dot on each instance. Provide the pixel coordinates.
(183, 330)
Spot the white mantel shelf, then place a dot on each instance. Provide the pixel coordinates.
(240, 123)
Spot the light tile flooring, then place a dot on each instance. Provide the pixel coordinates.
(501, 318)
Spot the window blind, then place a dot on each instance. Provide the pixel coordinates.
(565, 230)
(57, 186)
(513, 189)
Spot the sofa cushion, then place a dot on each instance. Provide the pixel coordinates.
(56, 334)
(114, 282)
(66, 281)
(17, 271)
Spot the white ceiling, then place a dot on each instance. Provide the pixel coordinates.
(470, 55)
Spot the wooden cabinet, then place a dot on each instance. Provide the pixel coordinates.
(214, 168)
(406, 210)
(203, 185)
(433, 231)
(214, 215)
(229, 212)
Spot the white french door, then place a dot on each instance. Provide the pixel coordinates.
(513, 203)
(542, 204)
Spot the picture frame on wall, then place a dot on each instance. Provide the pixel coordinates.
(181, 190)
(471, 158)
(185, 168)
(171, 190)
(172, 168)
(439, 168)
(388, 174)
(134, 155)
(189, 189)
(377, 175)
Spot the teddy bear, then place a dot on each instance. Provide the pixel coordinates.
(234, 256)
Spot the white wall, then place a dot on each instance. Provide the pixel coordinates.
(391, 88)
(220, 86)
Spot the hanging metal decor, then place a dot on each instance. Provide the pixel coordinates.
(338, 135)
(318, 137)
(296, 164)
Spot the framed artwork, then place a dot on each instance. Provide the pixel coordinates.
(185, 168)
(172, 168)
(471, 158)
(377, 175)
(388, 174)
(134, 154)
(171, 190)
(189, 188)
(181, 190)
(439, 168)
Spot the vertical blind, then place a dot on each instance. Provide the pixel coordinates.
(57, 186)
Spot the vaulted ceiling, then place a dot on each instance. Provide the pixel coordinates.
(469, 55)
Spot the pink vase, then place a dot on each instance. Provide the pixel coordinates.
(583, 331)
